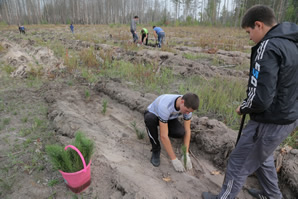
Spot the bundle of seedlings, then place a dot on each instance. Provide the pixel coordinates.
(69, 160)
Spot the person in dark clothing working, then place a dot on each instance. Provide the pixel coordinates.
(145, 35)
(22, 30)
(272, 103)
(71, 28)
(133, 29)
(163, 112)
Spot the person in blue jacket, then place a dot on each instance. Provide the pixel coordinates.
(159, 34)
(22, 30)
(71, 28)
(272, 103)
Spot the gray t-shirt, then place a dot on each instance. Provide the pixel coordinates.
(164, 108)
(133, 25)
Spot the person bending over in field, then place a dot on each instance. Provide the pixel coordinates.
(145, 35)
(159, 34)
(164, 112)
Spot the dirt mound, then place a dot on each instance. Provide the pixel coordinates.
(28, 59)
(289, 170)
(214, 138)
(184, 66)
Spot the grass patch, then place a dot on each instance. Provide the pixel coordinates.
(24, 132)
(219, 97)
(53, 182)
(8, 69)
(2, 49)
(24, 119)
(292, 139)
(147, 76)
(6, 121)
(192, 56)
(88, 57)
(90, 75)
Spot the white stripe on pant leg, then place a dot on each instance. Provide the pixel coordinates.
(148, 132)
(228, 191)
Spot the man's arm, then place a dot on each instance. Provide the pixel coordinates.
(187, 134)
(164, 137)
(263, 81)
(154, 33)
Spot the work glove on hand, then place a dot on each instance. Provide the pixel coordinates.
(178, 165)
(188, 161)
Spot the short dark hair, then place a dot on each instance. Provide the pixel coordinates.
(136, 17)
(142, 31)
(153, 27)
(260, 13)
(191, 100)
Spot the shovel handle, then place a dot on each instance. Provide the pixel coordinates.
(240, 129)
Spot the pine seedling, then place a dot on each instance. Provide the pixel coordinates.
(140, 134)
(104, 106)
(69, 161)
(183, 148)
(87, 94)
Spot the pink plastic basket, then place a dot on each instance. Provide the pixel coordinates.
(80, 180)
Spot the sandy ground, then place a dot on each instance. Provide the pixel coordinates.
(121, 165)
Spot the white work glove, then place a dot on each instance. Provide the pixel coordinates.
(178, 165)
(188, 161)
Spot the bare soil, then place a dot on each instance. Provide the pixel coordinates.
(121, 165)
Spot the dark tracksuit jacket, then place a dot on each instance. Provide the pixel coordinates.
(272, 103)
(269, 100)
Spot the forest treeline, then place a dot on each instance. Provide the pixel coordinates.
(209, 12)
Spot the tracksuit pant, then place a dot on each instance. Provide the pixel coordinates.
(254, 153)
(143, 37)
(176, 129)
(134, 36)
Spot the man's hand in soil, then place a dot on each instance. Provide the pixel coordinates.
(188, 161)
(178, 165)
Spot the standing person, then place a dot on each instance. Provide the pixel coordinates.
(22, 29)
(133, 28)
(71, 28)
(163, 112)
(145, 35)
(159, 34)
(272, 103)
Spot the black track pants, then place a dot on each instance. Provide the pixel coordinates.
(176, 130)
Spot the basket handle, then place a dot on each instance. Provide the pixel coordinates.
(80, 154)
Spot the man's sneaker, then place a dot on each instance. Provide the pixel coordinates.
(207, 195)
(257, 194)
(155, 159)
